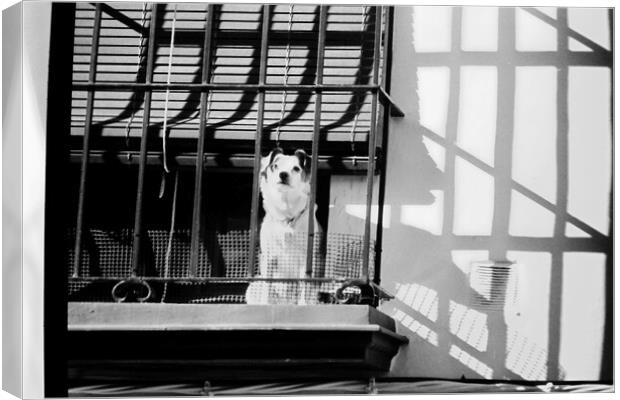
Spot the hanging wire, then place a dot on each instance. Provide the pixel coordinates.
(358, 104)
(139, 63)
(165, 126)
(170, 235)
(287, 55)
(208, 106)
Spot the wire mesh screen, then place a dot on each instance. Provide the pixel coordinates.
(222, 274)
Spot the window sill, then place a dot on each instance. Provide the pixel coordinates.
(187, 341)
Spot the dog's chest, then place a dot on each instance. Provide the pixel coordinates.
(284, 232)
(286, 205)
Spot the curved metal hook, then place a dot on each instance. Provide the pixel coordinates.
(117, 293)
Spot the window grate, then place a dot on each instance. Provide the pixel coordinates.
(221, 266)
(336, 88)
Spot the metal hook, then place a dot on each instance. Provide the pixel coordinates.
(162, 185)
(127, 285)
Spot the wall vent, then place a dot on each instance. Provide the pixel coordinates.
(493, 283)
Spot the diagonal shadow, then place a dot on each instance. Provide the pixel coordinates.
(248, 98)
(567, 31)
(137, 98)
(121, 17)
(500, 241)
(362, 77)
(191, 103)
(515, 185)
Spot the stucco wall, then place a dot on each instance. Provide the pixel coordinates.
(25, 101)
(498, 244)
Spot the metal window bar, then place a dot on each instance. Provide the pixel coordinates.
(198, 184)
(137, 234)
(371, 148)
(315, 137)
(79, 229)
(259, 138)
(385, 17)
(384, 121)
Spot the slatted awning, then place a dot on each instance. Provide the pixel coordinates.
(232, 114)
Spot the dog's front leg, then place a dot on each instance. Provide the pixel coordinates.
(302, 300)
(300, 262)
(258, 292)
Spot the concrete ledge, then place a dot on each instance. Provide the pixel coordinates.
(154, 316)
(174, 341)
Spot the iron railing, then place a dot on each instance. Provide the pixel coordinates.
(380, 101)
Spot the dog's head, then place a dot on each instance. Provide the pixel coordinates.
(286, 172)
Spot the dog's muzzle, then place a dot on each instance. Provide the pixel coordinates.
(284, 177)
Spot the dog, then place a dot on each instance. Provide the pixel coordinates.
(285, 189)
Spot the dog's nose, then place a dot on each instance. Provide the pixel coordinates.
(284, 176)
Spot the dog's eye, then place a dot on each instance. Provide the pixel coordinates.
(274, 166)
(296, 169)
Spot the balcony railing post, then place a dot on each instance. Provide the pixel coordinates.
(264, 46)
(315, 138)
(138, 228)
(198, 184)
(90, 99)
(371, 146)
(384, 121)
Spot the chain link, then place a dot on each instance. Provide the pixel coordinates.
(287, 55)
(165, 126)
(138, 64)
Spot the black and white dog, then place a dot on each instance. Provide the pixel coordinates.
(285, 187)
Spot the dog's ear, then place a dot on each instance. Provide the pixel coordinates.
(304, 160)
(268, 159)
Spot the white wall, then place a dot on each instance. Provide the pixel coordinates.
(503, 155)
(11, 200)
(36, 44)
